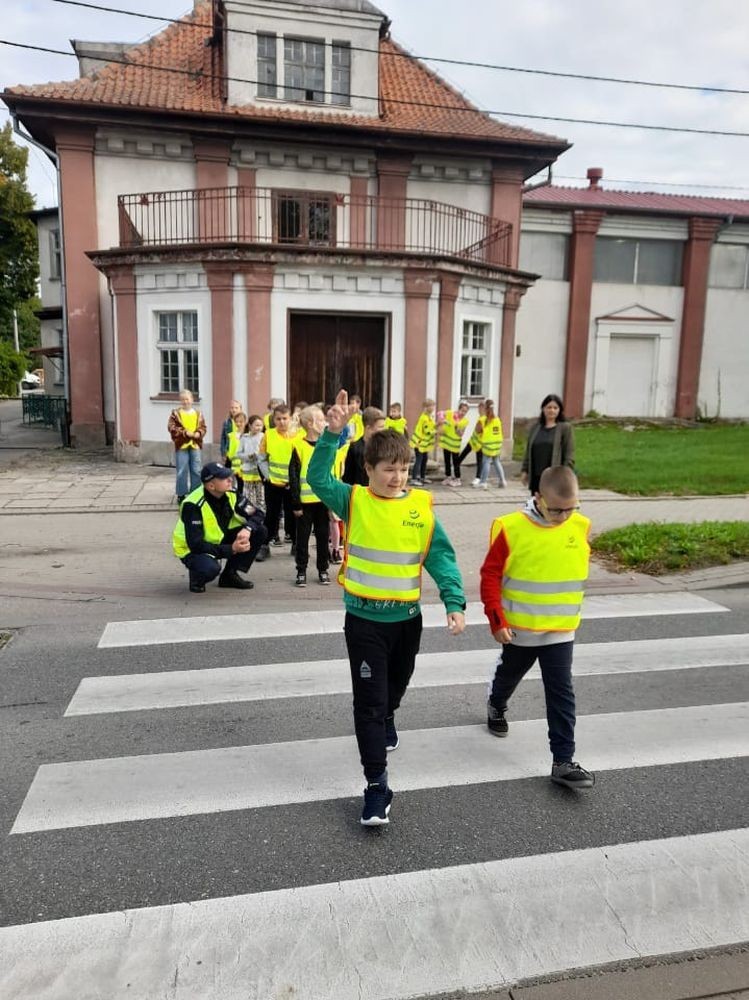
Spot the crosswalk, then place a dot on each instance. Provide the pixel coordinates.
(237, 869)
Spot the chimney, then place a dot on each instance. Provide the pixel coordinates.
(594, 176)
(94, 56)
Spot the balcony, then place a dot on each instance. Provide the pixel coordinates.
(312, 221)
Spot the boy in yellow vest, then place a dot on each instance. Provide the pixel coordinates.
(532, 583)
(451, 427)
(274, 455)
(391, 533)
(310, 513)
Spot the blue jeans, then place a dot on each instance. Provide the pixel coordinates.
(492, 463)
(188, 462)
(556, 670)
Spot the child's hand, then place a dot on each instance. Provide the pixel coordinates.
(340, 413)
(504, 635)
(456, 622)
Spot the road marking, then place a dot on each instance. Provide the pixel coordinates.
(158, 631)
(124, 789)
(464, 928)
(217, 685)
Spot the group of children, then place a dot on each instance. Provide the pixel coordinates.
(532, 578)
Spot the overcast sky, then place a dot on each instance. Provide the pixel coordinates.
(668, 41)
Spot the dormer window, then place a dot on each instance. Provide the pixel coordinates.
(312, 71)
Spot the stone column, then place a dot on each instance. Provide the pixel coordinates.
(247, 205)
(582, 249)
(418, 291)
(505, 407)
(127, 386)
(506, 206)
(258, 280)
(392, 173)
(358, 214)
(212, 171)
(449, 288)
(75, 147)
(220, 283)
(696, 267)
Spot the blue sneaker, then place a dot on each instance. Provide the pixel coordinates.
(391, 734)
(377, 800)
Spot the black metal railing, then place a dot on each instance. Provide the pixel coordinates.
(280, 217)
(52, 411)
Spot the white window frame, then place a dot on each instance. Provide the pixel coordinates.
(332, 93)
(55, 264)
(182, 346)
(470, 352)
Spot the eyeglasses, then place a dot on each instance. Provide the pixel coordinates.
(557, 511)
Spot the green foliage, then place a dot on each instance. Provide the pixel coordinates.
(12, 367)
(667, 548)
(29, 327)
(19, 260)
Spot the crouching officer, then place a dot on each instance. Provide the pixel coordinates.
(215, 524)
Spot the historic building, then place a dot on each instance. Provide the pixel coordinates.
(643, 304)
(274, 199)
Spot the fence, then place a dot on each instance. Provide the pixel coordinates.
(52, 411)
(311, 219)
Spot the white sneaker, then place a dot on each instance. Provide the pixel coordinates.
(484, 486)
(476, 482)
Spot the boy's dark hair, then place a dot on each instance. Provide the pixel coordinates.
(281, 408)
(552, 398)
(371, 415)
(387, 446)
(559, 479)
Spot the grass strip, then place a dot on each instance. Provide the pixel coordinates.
(666, 548)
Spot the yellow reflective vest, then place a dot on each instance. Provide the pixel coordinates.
(396, 424)
(387, 543)
(211, 528)
(475, 439)
(305, 450)
(189, 420)
(545, 572)
(451, 432)
(356, 423)
(424, 433)
(278, 449)
(232, 447)
(491, 437)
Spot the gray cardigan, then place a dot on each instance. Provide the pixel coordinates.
(563, 449)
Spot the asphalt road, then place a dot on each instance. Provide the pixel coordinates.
(223, 853)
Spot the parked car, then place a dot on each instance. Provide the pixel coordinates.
(31, 381)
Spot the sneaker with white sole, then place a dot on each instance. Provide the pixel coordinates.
(377, 801)
(570, 774)
(476, 482)
(301, 580)
(391, 734)
(324, 579)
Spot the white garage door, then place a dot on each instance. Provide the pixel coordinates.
(629, 390)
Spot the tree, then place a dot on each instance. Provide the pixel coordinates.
(19, 258)
(12, 367)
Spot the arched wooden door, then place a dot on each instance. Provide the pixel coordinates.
(330, 351)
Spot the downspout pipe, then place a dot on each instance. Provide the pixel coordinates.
(63, 281)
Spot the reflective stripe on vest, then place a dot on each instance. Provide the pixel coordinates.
(451, 434)
(232, 447)
(424, 433)
(212, 532)
(279, 451)
(389, 570)
(305, 451)
(545, 572)
(491, 438)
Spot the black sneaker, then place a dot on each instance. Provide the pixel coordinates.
(197, 588)
(263, 553)
(391, 733)
(301, 580)
(570, 774)
(377, 800)
(276, 541)
(235, 581)
(496, 722)
(324, 579)
(335, 556)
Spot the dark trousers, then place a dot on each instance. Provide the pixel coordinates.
(382, 657)
(278, 498)
(556, 670)
(420, 464)
(479, 458)
(204, 568)
(452, 458)
(314, 518)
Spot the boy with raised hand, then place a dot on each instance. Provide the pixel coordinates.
(532, 583)
(391, 532)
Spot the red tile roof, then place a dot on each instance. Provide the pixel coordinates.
(550, 196)
(147, 83)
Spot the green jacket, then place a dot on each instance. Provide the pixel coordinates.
(440, 562)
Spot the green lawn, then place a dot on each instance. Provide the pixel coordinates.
(667, 548)
(708, 459)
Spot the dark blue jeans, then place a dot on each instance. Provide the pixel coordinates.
(556, 670)
(204, 568)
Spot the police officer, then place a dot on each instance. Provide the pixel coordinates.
(215, 524)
